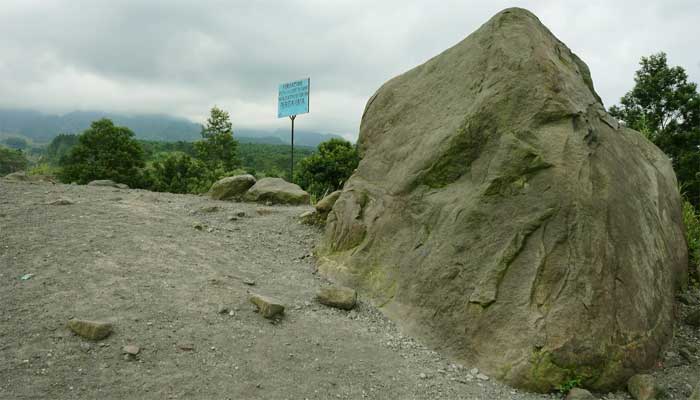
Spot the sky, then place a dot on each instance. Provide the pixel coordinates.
(183, 57)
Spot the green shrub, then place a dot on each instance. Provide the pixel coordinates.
(329, 168)
(691, 220)
(104, 151)
(12, 161)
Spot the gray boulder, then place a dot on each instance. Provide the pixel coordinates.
(276, 191)
(231, 187)
(503, 216)
(326, 204)
(579, 394)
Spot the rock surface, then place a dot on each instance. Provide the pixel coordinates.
(93, 330)
(579, 394)
(326, 204)
(502, 215)
(267, 306)
(276, 191)
(232, 187)
(338, 297)
(642, 387)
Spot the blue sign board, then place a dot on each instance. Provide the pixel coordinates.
(293, 98)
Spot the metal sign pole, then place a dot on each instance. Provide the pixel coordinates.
(291, 168)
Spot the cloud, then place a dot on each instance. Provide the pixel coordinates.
(182, 57)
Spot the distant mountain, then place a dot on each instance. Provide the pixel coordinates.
(44, 127)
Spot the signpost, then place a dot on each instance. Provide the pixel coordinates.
(292, 100)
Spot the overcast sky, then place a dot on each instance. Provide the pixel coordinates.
(183, 57)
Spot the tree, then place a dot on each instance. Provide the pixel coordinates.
(16, 142)
(11, 161)
(177, 172)
(59, 147)
(218, 149)
(329, 168)
(665, 107)
(104, 151)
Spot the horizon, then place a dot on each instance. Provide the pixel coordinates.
(195, 56)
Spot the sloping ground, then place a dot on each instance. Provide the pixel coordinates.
(134, 258)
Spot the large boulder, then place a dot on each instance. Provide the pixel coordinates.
(502, 215)
(276, 191)
(231, 187)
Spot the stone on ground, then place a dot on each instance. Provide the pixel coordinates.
(338, 297)
(131, 349)
(309, 217)
(326, 204)
(579, 394)
(501, 214)
(231, 187)
(267, 306)
(103, 182)
(93, 330)
(60, 202)
(642, 387)
(276, 191)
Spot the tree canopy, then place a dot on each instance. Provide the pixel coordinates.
(104, 151)
(329, 168)
(218, 149)
(11, 161)
(665, 107)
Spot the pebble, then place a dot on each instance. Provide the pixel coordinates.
(131, 349)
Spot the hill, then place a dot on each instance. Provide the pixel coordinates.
(40, 127)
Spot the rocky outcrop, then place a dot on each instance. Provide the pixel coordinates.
(231, 187)
(502, 215)
(276, 191)
(108, 183)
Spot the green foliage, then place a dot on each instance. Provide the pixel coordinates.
(177, 172)
(271, 160)
(104, 151)
(11, 161)
(329, 168)
(569, 384)
(153, 149)
(44, 169)
(59, 147)
(691, 220)
(218, 148)
(665, 107)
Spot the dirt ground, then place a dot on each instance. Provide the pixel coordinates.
(163, 268)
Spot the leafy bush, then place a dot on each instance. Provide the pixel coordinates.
(177, 172)
(691, 219)
(59, 147)
(104, 151)
(329, 168)
(11, 161)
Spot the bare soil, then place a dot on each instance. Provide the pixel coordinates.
(161, 267)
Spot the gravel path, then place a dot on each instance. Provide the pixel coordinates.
(161, 267)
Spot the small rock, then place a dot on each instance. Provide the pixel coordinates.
(423, 376)
(103, 182)
(337, 296)
(209, 209)
(482, 377)
(94, 330)
(264, 211)
(185, 346)
(693, 318)
(308, 217)
(239, 213)
(249, 282)
(579, 394)
(222, 309)
(267, 306)
(131, 349)
(686, 354)
(60, 202)
(232, 218)
(642, 387)
(122, 186)
(474, 371)
(198, 226)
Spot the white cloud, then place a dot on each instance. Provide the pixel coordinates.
(182, 57)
